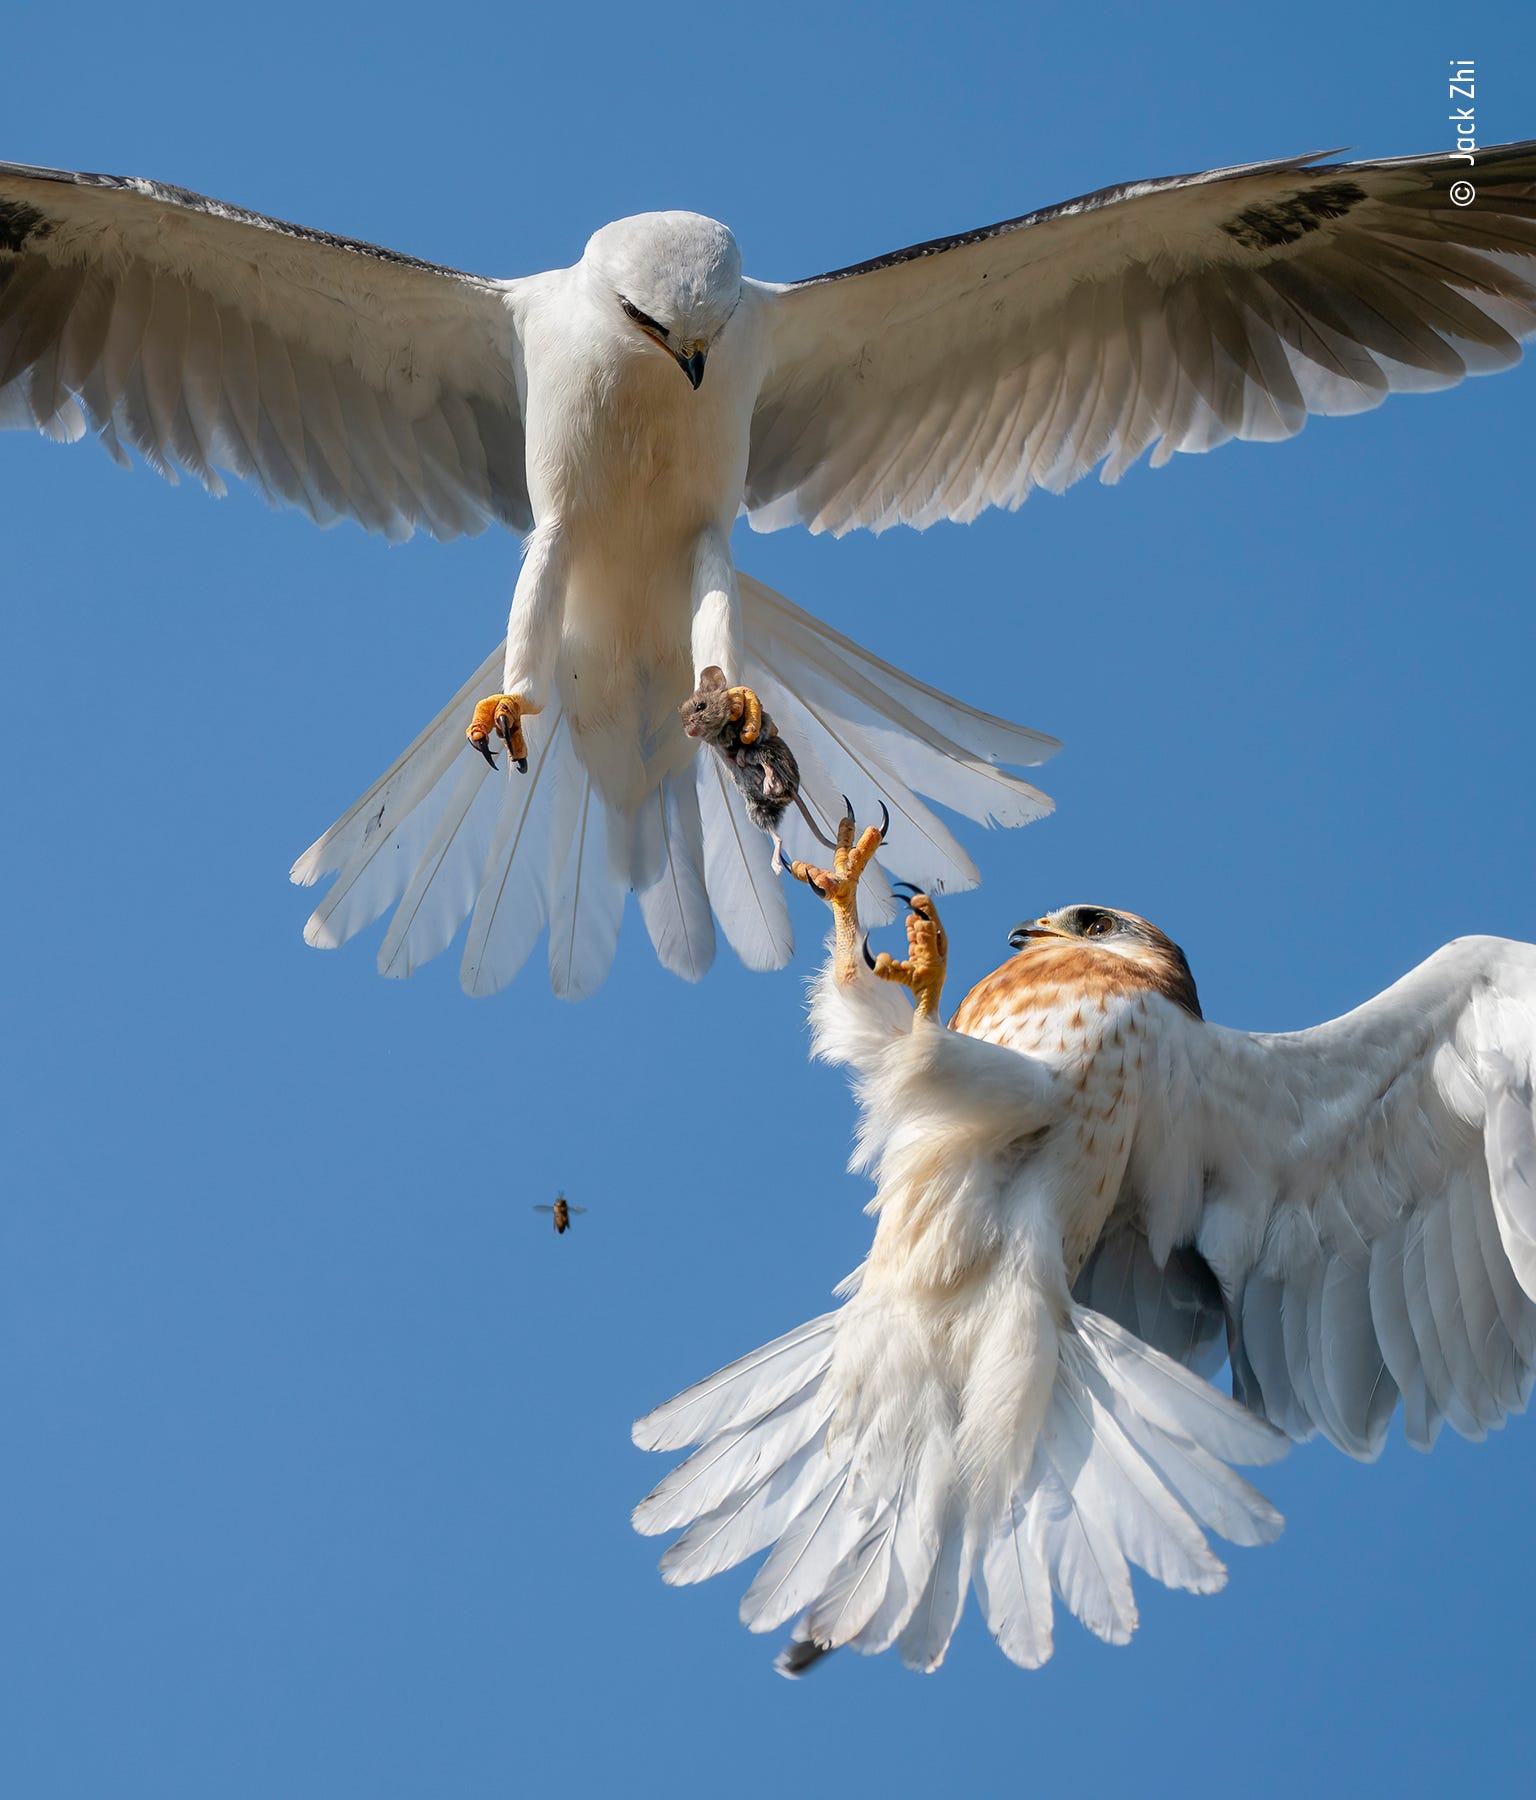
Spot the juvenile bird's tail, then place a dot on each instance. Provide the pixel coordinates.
(878, 1515)
(441, 838)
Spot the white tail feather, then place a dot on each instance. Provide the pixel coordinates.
(443, 838)
(587, 904)
(675, 906)
(1129, 1465)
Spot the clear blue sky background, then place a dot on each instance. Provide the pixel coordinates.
(314, 1453)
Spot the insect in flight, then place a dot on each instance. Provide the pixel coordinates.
(562, 1209)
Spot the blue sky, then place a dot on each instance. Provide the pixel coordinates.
(314, 1454)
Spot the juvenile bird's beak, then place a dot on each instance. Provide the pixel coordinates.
(691, 365)
(1036, 928)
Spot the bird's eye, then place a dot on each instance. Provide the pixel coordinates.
(632, 311)
(1100, 926)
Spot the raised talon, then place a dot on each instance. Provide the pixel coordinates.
(746, 707)
(839, 887)
(869, 961)
(927, 957)
(847, 807)
(885, 824)
(502, 715)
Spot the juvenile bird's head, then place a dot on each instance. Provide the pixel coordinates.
(1103, 928)
(673, 277)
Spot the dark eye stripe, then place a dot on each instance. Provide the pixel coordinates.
(641, 318)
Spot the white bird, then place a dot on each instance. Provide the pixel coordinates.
(1086, 1196)
(622, 412)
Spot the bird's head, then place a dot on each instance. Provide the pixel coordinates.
(672, 277)
(1104, 929)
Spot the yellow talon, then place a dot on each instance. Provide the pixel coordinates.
(501, 715)
(746, 706)
(927, 957)
(839, 887)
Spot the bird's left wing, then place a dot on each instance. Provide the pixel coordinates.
(1365, 1194)
(956, 375)
(351, 381)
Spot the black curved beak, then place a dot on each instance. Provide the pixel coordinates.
(1034, 928)
(692, 367)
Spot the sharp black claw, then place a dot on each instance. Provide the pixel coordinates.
(522, 765)
(847, 807)
(869, 960)
(885, 823)
(484, 749)
(907, 886)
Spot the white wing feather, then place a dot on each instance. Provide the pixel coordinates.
(1366, 1198)
(1362, 1196)
(348, 380)
(957, 375)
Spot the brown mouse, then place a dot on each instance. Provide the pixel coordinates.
(765, 771)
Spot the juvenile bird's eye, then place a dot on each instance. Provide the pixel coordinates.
(633, 312)
(1100, 926)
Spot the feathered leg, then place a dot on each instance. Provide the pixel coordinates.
(533, 642)
(717, 628)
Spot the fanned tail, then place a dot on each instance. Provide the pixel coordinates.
(441, 838)
(863, 728)
(874, 1537)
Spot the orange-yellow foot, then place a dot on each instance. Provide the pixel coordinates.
(747, 709)
(502, 716)
(927, 956)
(839, 885)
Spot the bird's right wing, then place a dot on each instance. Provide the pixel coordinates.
(952, 376)
(351, 381)
(1365, 1193)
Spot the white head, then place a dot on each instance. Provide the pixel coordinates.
(673, 277)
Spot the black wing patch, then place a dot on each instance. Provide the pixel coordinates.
(17, 217)
(19, 223)
(1267, 227)
(1101, 197)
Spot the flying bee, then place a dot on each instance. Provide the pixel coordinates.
(562, 1210)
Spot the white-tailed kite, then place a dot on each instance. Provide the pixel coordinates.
(1086, 1196)
(623, 412)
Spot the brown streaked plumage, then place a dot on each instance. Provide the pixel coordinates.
(1085, 1195)
(1056, 959)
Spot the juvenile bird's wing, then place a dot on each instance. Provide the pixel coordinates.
(352, 381)
(956, 375)
(1365, 1193)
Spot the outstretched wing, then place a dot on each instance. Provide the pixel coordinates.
(956, 375)
(352, 381)
(1365, 1194)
